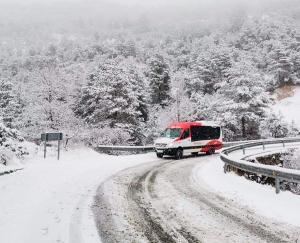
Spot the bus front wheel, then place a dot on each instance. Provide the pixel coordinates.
(179, 154)
(159, 155)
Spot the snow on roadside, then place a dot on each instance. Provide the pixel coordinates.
(50, 200)
(9, 169)
(289, 107)
(262, 199)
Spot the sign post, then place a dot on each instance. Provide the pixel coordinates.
(47, 137)
(58, 150)
(45, 149)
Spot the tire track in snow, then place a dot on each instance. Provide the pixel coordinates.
(179, 227)
(150, 199)
(223, 209)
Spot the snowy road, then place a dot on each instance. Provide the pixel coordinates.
(163, 201)
(140, 199)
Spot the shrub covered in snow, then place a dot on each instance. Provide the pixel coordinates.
(291, 160)
(10, 144)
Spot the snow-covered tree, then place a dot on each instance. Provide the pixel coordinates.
(244, 100)
(10, 104)
(113, 97)
(291, 160)
(209, 69)
(10, 144)
(282, 66)
(48, 98)
(226, 71)
(159, 81)
(273, 126)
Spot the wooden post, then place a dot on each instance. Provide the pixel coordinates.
(58, 151)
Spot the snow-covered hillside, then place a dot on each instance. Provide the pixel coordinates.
(290, 107)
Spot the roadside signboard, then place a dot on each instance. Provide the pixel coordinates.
(51, 136)
(48, 137)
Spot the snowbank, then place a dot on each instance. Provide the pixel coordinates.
(289, 107)
(262, 199)
(50, 200)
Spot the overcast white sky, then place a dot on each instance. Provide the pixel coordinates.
(151, 2)
(59, 13)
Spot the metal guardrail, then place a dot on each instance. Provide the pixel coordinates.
(106, 148)
(279, 174)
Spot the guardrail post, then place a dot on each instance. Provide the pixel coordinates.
(263, 146)
(244, 151)
(283, 143)
(277, 185)
(226, 168)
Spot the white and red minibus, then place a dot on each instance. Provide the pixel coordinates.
(183, 138)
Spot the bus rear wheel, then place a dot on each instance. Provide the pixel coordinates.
(211, 151)
(159, 155)
(179, 154)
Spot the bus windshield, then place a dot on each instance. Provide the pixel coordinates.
(171, 133)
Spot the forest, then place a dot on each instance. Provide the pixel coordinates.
(120, 82)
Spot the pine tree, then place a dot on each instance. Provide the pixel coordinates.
(296, 66)
(159, 81)
(243, 100)
(10, 105)
(208, 70)
(113, 98)
(282, 66)
(127, 48)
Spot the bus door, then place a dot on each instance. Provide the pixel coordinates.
(185, 141)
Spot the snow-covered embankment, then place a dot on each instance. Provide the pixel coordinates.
(50, 200)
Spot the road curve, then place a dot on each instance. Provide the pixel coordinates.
(162, 202)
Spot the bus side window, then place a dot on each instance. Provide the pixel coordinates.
(185, 134)
(195, 133)
(205, 133)
(214, 132)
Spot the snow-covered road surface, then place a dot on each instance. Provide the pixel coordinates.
(162, 201)
(50, 201)
(148, 200)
